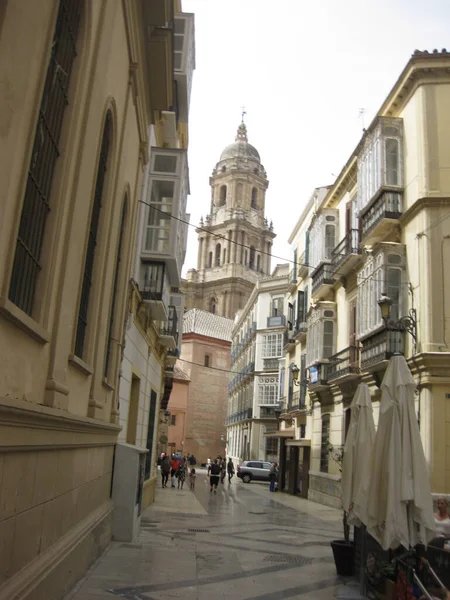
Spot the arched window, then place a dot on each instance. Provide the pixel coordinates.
(115, 286)
(92, 240)
(210, 260)
(37, 201)
(212, 306)
(251, 262)
(258, 262)
(222, 195)
(254, 198)
(218, 252)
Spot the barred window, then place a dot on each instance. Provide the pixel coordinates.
(36, 205)
(115, 286)
(92, 241)
(272, 445)
(325, 441)
(273, 345)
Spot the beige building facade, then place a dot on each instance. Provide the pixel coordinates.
(82, 82)
(381, 229)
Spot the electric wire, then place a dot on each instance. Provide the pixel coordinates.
(359, 278)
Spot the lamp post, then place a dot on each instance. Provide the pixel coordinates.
(295, 373)
(407, 323)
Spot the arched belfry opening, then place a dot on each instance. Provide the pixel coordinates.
(254, 202)
(218, 251)
(222, 195)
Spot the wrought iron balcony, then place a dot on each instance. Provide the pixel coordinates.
(300, 330)
(378, 218)
(322, 279)
(266, 412)
(303, 268)
(289, 340)
(345, 364)
(380, 346)
(168, 333)
(276, 321)
(242, 415)
(346, 253)
(155, 289)
(318, 375)
(270, 364)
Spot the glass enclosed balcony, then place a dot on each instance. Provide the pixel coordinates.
(184, 60)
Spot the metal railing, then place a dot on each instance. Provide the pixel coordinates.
(270, 364)
(170, 328)
(348, 245)
(381, 346)
(388, 206)
(322, 276)
(344, 362)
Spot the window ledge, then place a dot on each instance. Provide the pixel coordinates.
(325, 475)
(80, 364)
(107, 385)
(24, 321)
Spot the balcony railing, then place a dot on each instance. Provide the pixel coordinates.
(388, 206)
(381, 346)
(318, 374)
(303, 268)
(276, 321)
(243, 415)
(346, 247)
(322, 276)
(270, 364)
(266, 411)
(345, 362)
(170, 327)
(298, 399)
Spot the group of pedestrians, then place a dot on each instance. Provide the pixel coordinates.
(178, 469)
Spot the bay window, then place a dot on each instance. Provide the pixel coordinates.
(380, 162)
(273, 345)
(322, 331)
(383, 273)
(323, 237)
(268, 391)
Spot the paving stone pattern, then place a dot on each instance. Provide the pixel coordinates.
(241, 543)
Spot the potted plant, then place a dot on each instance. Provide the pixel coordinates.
(343, 550)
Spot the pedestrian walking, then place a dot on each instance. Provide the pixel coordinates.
(208, 465)
(223, 469)
(230, 470)
(214, 476)
(165, 470)
(273, 476)
(192, 477)
(174, 463)
(181, 473)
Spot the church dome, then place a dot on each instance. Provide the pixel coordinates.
(241, 148)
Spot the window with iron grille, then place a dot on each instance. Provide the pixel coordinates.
(325, 442)
(36, 204)
(116, 283)
(271, 445)
(92, 240)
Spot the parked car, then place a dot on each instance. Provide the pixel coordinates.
(254, 469)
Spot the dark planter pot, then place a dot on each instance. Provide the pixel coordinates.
(344, 557)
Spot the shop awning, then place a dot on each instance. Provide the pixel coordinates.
(303, 443)
(283, 433)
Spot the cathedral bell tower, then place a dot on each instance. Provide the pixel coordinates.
(235, 238)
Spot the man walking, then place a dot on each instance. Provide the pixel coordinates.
(174, 468)
(230, 469)
(273, 475)
(165, 470)
(214, 476)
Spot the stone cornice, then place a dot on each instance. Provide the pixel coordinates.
(421, 204)
(44, 427)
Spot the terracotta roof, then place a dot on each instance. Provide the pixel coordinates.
(178, 373)
(205, 323)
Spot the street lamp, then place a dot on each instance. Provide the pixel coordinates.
(407, 323)
(295, 373)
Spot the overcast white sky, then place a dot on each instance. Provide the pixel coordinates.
(302, 69)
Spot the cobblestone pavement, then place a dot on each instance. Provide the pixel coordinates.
(241, 543)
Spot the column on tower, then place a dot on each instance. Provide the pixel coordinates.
(235, 246)
(199, 254)
(205, 252)
(230, 245)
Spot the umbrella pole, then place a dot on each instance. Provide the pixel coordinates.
(362, 566)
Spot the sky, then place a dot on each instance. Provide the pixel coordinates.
(303, 69)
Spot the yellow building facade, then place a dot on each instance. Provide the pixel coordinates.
(82, 84)
(382, 228)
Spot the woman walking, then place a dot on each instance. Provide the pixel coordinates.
(181, 473)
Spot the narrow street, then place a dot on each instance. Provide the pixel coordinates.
(241, 543)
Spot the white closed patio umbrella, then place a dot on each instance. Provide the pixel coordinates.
(358, 457)
(400, 507)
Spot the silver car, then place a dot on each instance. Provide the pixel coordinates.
(254, 469)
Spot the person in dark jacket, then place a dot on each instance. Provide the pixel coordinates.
(230, 469)
(165, 470)
(214, 476)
